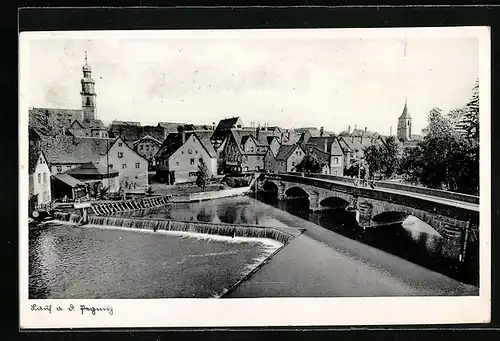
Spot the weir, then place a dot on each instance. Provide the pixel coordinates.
(221, 229)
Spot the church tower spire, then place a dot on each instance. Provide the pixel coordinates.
(404, 124)
(88, 93)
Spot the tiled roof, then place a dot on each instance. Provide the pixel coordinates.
(285, 151)
(170, 126)
(68, 149)
(320, 155)
(223, 127)
(126, 123)
(204, 136)
(174, 141)
(55, 118)
(79, 132)
(91, 169)
(319, 142)
(364, 133)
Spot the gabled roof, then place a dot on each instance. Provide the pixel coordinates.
(331, 142)
(204, 137)
(174, 141)
(364, 133)
(223, 127)
(147, 137)
(68, 149)
(285, 151)
(320, 155)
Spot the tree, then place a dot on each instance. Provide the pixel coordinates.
(310, 164)
(382, 158)
(202, 175)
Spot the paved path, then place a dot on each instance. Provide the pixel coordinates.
(323, 263)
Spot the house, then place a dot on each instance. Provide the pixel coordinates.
(244, 150)
(131, 166)
(288, 157)
(178, 158)
(307, 133)
(329, 150)
(148, 146)
(67, 152)
(39, 178)
(223, 129)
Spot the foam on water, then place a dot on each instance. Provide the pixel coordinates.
(200, 236)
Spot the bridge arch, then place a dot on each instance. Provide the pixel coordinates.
(270, 186)
(297, 192)
(334, 202)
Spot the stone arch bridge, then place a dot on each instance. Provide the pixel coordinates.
(452, 215)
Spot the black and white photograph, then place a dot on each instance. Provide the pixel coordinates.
(233, 177)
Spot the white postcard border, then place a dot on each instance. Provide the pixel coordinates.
(265, 311)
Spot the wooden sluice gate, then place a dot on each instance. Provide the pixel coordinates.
(129, 205)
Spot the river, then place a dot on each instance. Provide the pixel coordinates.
(413, 240)
(70, 262)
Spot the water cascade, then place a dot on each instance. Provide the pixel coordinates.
(220, 229)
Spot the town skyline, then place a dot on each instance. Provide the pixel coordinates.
(301, 82)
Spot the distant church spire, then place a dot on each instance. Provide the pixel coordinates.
(404, 124)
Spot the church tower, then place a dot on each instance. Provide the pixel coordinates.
(88, 93)
(404, 124)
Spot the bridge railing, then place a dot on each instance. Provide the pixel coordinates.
(399, 187)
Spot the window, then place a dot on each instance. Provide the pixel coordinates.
(191, 161)
(44, 178)
(182, 152)
(196, 152)
(120, 155)
(293, 164)
(251, 149)
(335, 160)
(59, 169)
(190, 151)
(335, 172)
(124, 166)
(147, 147)
(120, 144)
(39, 178)
(137, 165)
(193, 173)
(110, 166)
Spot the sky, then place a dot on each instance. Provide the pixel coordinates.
(294, 80)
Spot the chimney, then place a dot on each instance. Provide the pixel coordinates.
(366, 129)
(183, 137)
(281, 138)
(355, 126)
(326, 146)
(349, 129)
(390, 131)
(257, 132)
(321, 131)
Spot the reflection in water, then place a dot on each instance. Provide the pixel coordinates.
(413, 240)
